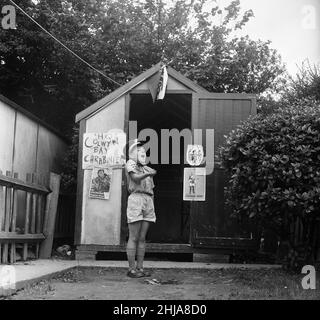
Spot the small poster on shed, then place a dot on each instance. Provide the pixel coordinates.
(100, 183)
(194, 184)
(194, 154)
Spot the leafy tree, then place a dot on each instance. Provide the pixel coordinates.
(274, 166)
(40, 75)
(122, 39)
(306, 85)
(244, 65)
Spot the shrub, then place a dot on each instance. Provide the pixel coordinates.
(274, 163)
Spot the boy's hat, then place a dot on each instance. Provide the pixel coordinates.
(134, 144)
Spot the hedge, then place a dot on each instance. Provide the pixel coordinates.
(274, 164)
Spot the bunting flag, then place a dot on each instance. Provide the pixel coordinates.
(157, 84)
(162, 86)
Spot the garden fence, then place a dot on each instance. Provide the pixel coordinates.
(27, 215)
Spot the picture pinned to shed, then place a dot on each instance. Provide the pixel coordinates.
(103, 149)
(194, 154)
(194, 184)
(100, 183)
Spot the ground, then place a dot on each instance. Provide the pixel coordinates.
(85, 283)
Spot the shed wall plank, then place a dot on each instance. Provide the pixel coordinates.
(7, 119)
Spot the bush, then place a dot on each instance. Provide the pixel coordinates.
(274, 163)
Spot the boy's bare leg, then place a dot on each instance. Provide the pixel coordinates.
(134, 229)
(141, 248)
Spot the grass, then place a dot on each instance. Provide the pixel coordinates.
(272, 284)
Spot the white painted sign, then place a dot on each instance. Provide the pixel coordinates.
(103, 149)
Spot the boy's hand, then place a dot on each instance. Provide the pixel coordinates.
(151, 171)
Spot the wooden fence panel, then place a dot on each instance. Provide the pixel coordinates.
(22, 238)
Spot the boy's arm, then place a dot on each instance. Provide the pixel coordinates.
(150, 170)
(137, 177)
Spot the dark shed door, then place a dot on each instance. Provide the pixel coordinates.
(211, 226)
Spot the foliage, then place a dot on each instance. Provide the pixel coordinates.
(122, 39)
(306, 85)
(274, 165)
(242, 65)
(288, 90)
(40, 75)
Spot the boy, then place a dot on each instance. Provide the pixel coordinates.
(140, 210)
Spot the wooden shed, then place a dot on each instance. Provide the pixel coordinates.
(182, 226)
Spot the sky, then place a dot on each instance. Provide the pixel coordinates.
(293, 26)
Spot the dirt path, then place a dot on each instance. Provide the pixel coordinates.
(113, 284)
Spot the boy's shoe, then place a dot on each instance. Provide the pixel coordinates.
(135, 274)
(144, 272)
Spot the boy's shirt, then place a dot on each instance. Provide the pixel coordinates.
(146, 185)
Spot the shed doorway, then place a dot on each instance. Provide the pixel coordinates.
(173, 214)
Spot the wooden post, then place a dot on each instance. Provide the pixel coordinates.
(34, 206)
(13, 221)
(15, 206)
(26, 223)
(2, 205)
(38, 224)
(50, 216)
(39, 215)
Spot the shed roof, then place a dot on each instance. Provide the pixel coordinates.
(132, 84)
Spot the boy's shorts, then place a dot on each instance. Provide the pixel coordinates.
(140, 207)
